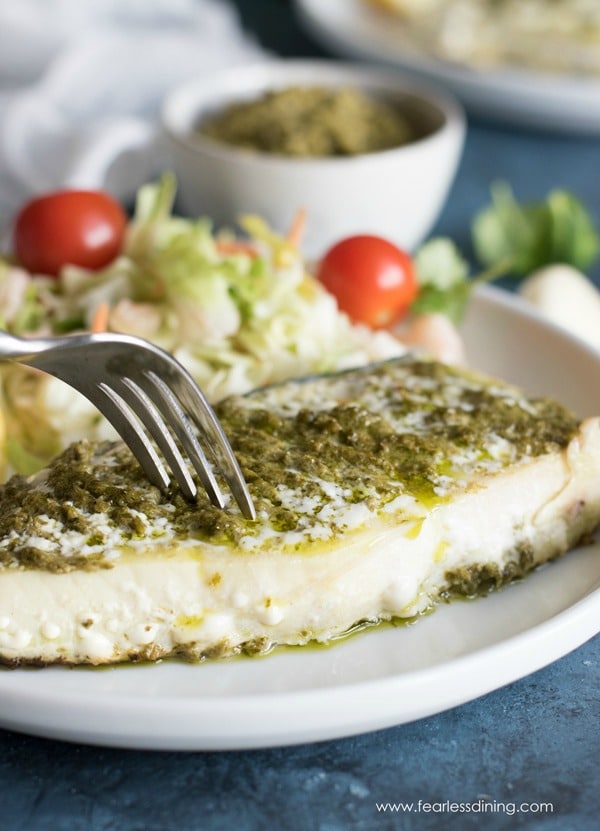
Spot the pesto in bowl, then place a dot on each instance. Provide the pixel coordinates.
(311, 122)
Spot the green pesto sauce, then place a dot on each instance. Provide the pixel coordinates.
(311, 122)
(396, 431)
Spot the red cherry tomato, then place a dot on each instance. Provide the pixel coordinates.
(373, 281)
(69, 227)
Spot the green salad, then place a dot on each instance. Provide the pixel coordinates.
(237, 312)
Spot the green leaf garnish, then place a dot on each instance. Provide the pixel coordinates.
(508, 238)
(529, 236)
(443, 276)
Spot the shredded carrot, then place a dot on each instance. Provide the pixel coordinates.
(100, 321)
(296, 231)
(229, 247)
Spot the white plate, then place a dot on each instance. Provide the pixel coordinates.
(556, 101)
(378, 678)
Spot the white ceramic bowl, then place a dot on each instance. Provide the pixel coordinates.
(395, 193)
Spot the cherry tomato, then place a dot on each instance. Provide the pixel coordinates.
(69, 227)
(373, 281)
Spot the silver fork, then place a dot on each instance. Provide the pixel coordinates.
(136, 385)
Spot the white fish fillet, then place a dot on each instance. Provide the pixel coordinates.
(379, 491)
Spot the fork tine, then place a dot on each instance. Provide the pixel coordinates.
(175, 382)
(196, 405)
(144, 409)
(112, 407)
(147, 408)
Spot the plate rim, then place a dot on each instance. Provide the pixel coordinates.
(562, 633)
(233, 722)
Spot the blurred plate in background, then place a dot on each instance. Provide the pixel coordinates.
(560, 102)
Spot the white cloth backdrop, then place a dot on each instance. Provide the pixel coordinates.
(80, 78)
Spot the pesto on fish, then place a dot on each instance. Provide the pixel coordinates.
(408, 426)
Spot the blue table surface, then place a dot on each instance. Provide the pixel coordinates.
(535, 741)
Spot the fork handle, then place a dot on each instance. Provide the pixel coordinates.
(13, 348)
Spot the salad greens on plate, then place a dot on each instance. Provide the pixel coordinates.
(237, 313)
